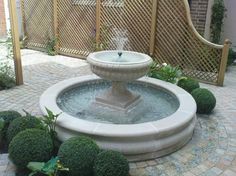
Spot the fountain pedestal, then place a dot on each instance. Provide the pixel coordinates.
(118, 97)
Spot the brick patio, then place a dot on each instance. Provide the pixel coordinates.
(211, 152)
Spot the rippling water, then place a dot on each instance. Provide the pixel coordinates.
(155, 104)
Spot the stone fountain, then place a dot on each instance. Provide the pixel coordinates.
(120, 69)
(141, 117)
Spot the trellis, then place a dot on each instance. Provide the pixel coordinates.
(160, 28)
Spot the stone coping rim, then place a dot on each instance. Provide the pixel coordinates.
(147, 60)
(182, 117)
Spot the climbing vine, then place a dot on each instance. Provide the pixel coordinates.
(218, 12)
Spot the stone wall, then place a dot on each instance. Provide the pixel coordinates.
(199, 14)
(3, 29)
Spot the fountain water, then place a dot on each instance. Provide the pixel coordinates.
(120, 40)
(149, 119)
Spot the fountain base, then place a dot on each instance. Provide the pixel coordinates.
(118, 97)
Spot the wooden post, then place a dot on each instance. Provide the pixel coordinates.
(15, 42)
(153, 26)
(223, 63)
(55, 25)
(98, 20)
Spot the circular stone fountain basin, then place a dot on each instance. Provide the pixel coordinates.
(140, 141)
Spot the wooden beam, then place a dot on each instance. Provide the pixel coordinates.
(223, 63)
(153, 26)
(55, 25)
(15, 42)
(98, 20)
(23, 18)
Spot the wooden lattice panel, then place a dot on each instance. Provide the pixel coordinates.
(177, 44)
(76, 26)
(131, 15)
(173, 39)
(38, 22)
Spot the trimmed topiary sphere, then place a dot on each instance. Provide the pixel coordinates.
(8, 117)
(110, 163)
(205, 100)
(78, 154)
(188, 84)
(21, 124)
(30, 145)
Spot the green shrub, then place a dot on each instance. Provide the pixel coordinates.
(188, 84)
(7, 79)
(30, 145)
(21, 124)
(231, 57)
(110, 163)
(8, 117)
(78, 154)
(205, 100)
(217, 18)
(2, 123)
(6, 82)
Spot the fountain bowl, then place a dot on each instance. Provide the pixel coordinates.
(136, 141)
(109, 66)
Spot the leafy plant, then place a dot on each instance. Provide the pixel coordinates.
(51, 46)
(103, 41)
(49, 168)
(217, 17)
(7, 77)
(165, 72)
(49, 121)
(23, 42)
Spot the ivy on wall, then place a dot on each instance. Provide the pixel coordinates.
(217, 17)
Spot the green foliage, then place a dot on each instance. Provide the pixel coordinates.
(103, 40)
(7, 81)
(217, 17)
(30, 145)
(78, 154)
(2, 123)
(165, 72)
(49, 121)
(110, 163)
(21, 124)
(205, 100)
(49, 168)
(23, 42)
(51, 46)
(7, 77)
(8, 117)
(188, 84)
(231, 57)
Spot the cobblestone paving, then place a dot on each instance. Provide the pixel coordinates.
(211, 152)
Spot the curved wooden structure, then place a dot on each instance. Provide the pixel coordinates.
(161, 28)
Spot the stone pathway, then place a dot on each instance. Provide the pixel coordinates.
(211, 152)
